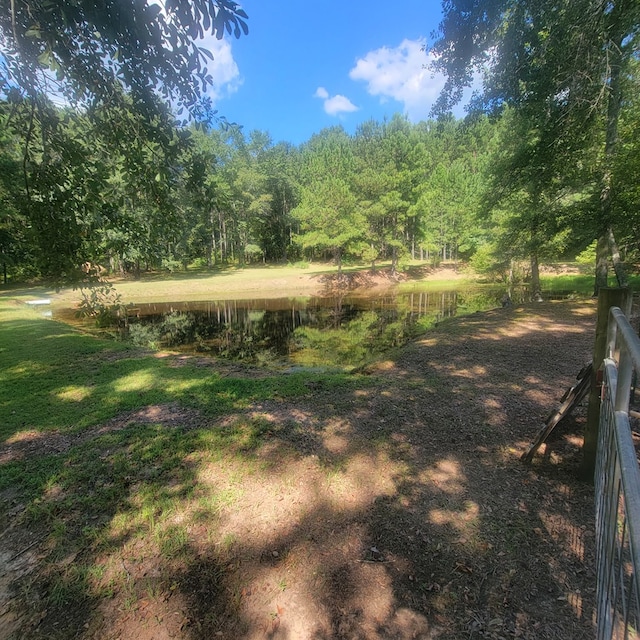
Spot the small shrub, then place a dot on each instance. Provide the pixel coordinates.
(171, 264)
(148, 336)
(101, 302)
(587, 259)
(252, 253)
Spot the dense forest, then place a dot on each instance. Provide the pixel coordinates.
(530, 176)
(394, 190)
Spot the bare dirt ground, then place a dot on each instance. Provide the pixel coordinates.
(381, 278)
(394, 508)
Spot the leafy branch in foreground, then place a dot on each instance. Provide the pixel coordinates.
(88, 51)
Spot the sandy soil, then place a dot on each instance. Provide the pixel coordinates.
(394, 508)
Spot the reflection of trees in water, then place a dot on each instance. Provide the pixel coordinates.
(341, 330)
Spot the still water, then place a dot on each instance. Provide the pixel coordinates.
(343, 331)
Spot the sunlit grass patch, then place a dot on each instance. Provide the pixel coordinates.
(141, 380)
(23, 369)
(74, 393)
(127, 499)
(172, 540)
(581, 283)
(210, 503)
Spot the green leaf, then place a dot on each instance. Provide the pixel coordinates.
(45, 58)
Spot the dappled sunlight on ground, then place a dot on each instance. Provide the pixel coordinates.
(24, 436)
(74, 394)
(24, 369)
(272, 505)
(564, 531)
(138, 381)
(446, 476)
(464, 520)
(21, 444)
(392, 505)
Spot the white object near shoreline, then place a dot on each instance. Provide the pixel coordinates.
(39, 302)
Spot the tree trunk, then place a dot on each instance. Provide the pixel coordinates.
(614, 102)
(223, 237)
(510, 278)
(211, 245)
(536, 290)
(618, 266)
(602, 268)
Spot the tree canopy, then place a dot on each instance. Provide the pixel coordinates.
(562, 67)
(92, 52)
(545, 163)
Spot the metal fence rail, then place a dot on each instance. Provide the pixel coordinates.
(618, 491)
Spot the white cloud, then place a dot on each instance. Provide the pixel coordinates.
(339, 104)
(223, 68)
(336, 105)
(401, 74)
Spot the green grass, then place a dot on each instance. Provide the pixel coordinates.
(93, 479)
(579, 283)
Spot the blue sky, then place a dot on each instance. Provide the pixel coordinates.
(307, 65)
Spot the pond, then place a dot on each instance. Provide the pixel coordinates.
(339, 331)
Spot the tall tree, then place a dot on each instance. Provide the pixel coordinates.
(559, 64)
(15, 243)
(329, 219)
(122, 62)
(626, 168)
(274, 227)
(204, 197)
(327, 213)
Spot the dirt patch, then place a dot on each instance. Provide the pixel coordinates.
(38, 443)
(395, 507)
(385, 278)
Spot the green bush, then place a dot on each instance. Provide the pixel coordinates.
(587, 259)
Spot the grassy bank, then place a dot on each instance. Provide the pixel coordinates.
(293, 281)
(155, 495)
(102, 448)
(252, 282)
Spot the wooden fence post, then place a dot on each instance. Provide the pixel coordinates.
(607, 297)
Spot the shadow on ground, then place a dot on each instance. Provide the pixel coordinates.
(392, 505)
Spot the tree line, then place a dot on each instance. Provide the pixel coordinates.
(545, 166)
(112, 190)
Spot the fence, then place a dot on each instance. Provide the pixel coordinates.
(618, 490)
